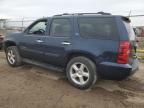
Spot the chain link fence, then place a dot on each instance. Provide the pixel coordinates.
(8, 26)
(16, 25)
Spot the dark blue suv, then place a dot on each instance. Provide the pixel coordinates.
(84, 45)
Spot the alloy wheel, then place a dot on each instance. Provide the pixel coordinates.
(79, 73)
(11, 57)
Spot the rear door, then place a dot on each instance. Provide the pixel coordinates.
(58, 41)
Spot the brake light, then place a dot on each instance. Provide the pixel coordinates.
(123, 53)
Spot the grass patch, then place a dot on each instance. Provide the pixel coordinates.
(140, 51)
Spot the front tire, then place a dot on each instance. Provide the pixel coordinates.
(81, 72)
(13, 56)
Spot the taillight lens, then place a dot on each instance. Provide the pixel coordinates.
(123, 54)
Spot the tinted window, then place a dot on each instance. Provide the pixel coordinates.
(104, 28)
(60, 27)
(38, 28)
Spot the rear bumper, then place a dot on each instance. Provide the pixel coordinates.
(116, 71)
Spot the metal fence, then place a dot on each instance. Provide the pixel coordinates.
(8, 26)
(15, 24)
(19, 24)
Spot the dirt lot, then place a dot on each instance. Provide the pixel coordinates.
(33, 87)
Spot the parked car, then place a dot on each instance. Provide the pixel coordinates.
(1, 41)
(86, 46)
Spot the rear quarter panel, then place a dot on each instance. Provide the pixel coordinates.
(102, 50)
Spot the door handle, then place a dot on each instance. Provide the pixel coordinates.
(39, 41)
(65, 43)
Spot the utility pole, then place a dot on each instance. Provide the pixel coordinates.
(130, 13)
(22, 24)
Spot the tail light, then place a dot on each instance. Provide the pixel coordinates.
(123, 53)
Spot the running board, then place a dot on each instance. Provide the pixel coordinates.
(43, 65)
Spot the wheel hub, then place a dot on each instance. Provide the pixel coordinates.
(79, 73)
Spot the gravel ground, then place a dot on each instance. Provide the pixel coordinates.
(33, 87)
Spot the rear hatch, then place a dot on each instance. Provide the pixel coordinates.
(132, 40)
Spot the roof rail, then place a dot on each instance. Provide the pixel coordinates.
(98, 13)
(63, 14)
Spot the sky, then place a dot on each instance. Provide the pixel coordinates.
(40, 8)
(33, 9)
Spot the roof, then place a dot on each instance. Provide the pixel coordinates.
(98, 14)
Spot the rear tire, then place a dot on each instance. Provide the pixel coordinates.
(13, 56)
(81, 72)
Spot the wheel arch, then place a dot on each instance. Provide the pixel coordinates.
(81, 53)
(8, 44)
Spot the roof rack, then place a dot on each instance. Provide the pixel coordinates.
(64, 14)
(98, 13)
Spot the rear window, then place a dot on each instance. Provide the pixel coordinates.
(130, 30)
(103, 28)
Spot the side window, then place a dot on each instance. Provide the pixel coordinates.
(39, 28)
(60, 27)
(95, 27)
